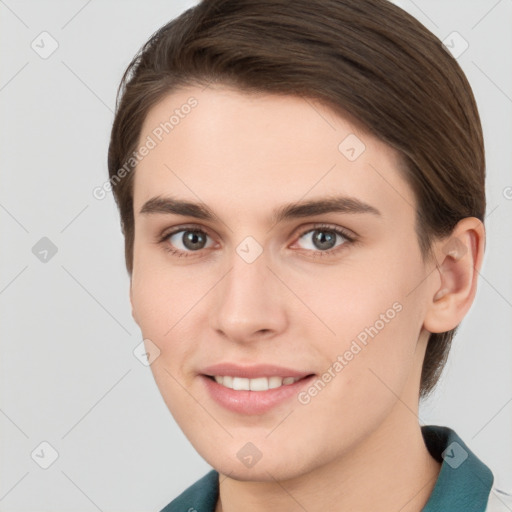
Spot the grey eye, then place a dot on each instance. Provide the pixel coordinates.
(190, 240)
(322, 239)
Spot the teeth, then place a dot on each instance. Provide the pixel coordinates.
(257, 384)
(274, 382)
(241, 384)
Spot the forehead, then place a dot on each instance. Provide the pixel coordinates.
(244, 151)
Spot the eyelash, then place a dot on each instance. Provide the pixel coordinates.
(349, 239)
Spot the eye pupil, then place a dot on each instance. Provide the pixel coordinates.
(193, 240)
(324, 239)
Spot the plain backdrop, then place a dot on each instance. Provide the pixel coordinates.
(69, 378)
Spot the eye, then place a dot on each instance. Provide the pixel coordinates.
(187, 240)
(323, 239)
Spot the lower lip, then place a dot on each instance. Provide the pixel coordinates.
(253, 402)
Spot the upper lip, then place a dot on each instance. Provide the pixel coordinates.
(252, 371)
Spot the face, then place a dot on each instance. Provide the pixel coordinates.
(275, 249)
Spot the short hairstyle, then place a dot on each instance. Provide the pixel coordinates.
(365, 58)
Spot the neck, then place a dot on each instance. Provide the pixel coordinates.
(391, 470)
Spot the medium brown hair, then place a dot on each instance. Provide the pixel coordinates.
(367, 58)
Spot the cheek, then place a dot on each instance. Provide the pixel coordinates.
(371, 324)
(368, 366)
(364, 291)
(152, 301)
(161, 300)
(162, 295)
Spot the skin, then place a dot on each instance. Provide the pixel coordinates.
(357, 445)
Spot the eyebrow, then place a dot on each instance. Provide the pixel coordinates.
(337, 204)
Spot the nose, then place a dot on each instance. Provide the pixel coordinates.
(249, 302)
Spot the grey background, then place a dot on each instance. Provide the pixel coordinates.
(68, 373)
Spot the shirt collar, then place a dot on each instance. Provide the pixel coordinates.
(464, 482)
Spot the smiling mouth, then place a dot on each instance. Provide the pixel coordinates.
(255, 384)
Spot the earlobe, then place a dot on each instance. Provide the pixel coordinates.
(459, 260)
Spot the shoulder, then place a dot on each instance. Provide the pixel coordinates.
(199, 497)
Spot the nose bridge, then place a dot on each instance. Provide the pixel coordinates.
(248, 299)
(247, 284)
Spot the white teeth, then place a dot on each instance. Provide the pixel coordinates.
(257, 384)
(274, 382)
(240, 384)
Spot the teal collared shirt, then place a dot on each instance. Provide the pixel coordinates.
(463, 485)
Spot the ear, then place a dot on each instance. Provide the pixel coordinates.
(134, 316)
(459, 259)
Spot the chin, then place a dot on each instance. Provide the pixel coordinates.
(257, 474)
(275, 467)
